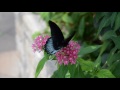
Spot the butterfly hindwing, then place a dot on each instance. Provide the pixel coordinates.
(66, 41)
(49, 46)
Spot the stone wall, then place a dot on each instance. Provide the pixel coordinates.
(26, 24)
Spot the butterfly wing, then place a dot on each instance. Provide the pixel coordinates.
(49, 48)
(53, 44)
(56, 35)
(66, 41)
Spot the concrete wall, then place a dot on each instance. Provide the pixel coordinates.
(26, 24)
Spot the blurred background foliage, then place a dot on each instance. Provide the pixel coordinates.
(99, 36)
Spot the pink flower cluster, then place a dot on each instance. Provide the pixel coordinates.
(68, 54)
(39, 43)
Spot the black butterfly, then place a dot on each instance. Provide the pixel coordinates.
(56, 41)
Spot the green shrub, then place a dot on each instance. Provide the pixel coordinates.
(99, 36)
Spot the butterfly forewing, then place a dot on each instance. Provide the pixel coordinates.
(56, 35)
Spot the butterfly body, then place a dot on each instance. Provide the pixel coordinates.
(56, 41)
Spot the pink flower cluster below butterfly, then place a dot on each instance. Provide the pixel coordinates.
(66, 55)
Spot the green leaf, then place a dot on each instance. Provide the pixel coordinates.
(116, 40)
(89, 49)
(51, 57)
(103, 23)
(83, 13)
(45, 15)
(75, 16)
(114, 66)
(104, 73)
(117, 22)
(81, 27)
(57, 16)
(61, 72)
(98, 61)
(113, 18)
(116, 70)
(98, 17)
(111, 56)
(67, 75)
(71, 70)
(67, 19)
(86, 65)
(114, 58)
(35, 34)
(108, 34)
(78, 72)
(41, 64)
(104, 46)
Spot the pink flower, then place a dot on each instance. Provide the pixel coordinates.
(39, 43)
(68, 54)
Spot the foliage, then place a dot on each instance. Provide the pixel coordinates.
(98, 33)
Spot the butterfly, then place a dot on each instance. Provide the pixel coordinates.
(56, 41)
